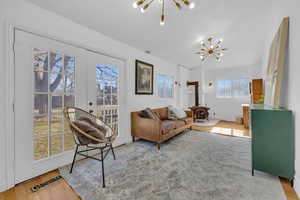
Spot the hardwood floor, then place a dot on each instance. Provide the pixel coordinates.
(225, 128)
(60, 190)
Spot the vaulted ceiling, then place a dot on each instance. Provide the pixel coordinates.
(242, 24)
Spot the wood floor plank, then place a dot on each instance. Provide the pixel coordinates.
(289, 191)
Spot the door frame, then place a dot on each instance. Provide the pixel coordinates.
(9, 67)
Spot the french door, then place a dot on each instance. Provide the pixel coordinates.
(48, 76)
(104, 77)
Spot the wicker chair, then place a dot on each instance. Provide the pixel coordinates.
(71, 114)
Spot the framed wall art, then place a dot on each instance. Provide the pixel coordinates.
(143, 78)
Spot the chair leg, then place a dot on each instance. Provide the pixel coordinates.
(103, 176)
(113, 152)
(74, 158)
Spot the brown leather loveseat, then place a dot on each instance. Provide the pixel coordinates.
(161, 130)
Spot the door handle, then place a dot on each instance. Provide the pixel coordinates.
(90, 103)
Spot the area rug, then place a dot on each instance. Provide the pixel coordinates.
(192, 166)
(210, 122)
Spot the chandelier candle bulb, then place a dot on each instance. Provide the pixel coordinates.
(178, 5)
(162, 20)
(134, 5)
(140, 2)
(186, 2)
(192, 5)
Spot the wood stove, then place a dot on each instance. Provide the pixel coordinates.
(199, 112)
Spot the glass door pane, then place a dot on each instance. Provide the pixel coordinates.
(54, 88)
(107, 83)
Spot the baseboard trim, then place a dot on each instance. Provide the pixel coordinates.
(297, 185)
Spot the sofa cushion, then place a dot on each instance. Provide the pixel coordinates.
(167, 126)
(179, 123)
(187, 120)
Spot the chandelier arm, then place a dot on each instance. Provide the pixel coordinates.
(204, 57)
(216, 47)
(211, 43)
(150, 2)
(177, 4)
(204, 45)
(217, 57)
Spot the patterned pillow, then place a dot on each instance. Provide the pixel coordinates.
(148, 113)
(87, 128)
(94, 124)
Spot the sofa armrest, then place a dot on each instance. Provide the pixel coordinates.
(189, 113)
(144, 127)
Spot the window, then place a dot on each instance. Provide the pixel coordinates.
(233, 88)
(165, 86)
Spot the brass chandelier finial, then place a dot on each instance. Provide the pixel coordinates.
(144, 4)
(211, 47)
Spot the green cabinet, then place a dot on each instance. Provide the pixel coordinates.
(273, 141)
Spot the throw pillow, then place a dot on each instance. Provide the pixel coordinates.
(177, 112)
(171, 113)
(93, 123)
(87, 128)
(158, 115)
(181, 113)
(148, 113)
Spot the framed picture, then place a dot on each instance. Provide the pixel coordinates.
(143, 78)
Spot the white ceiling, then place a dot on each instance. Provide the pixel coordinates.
(242, 24)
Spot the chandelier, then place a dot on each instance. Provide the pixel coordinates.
(144, 4)
(211, 47)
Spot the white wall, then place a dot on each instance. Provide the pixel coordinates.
(290, 88)
(2, 83)
(183, 97)
(225, 109)
(22, 13)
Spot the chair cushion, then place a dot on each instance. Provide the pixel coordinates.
(94, 124)
(167, 126)
(179, 123)
(187, 120)
(89, 129)
(148, 113)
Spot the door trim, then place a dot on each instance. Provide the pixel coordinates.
(9, 67)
